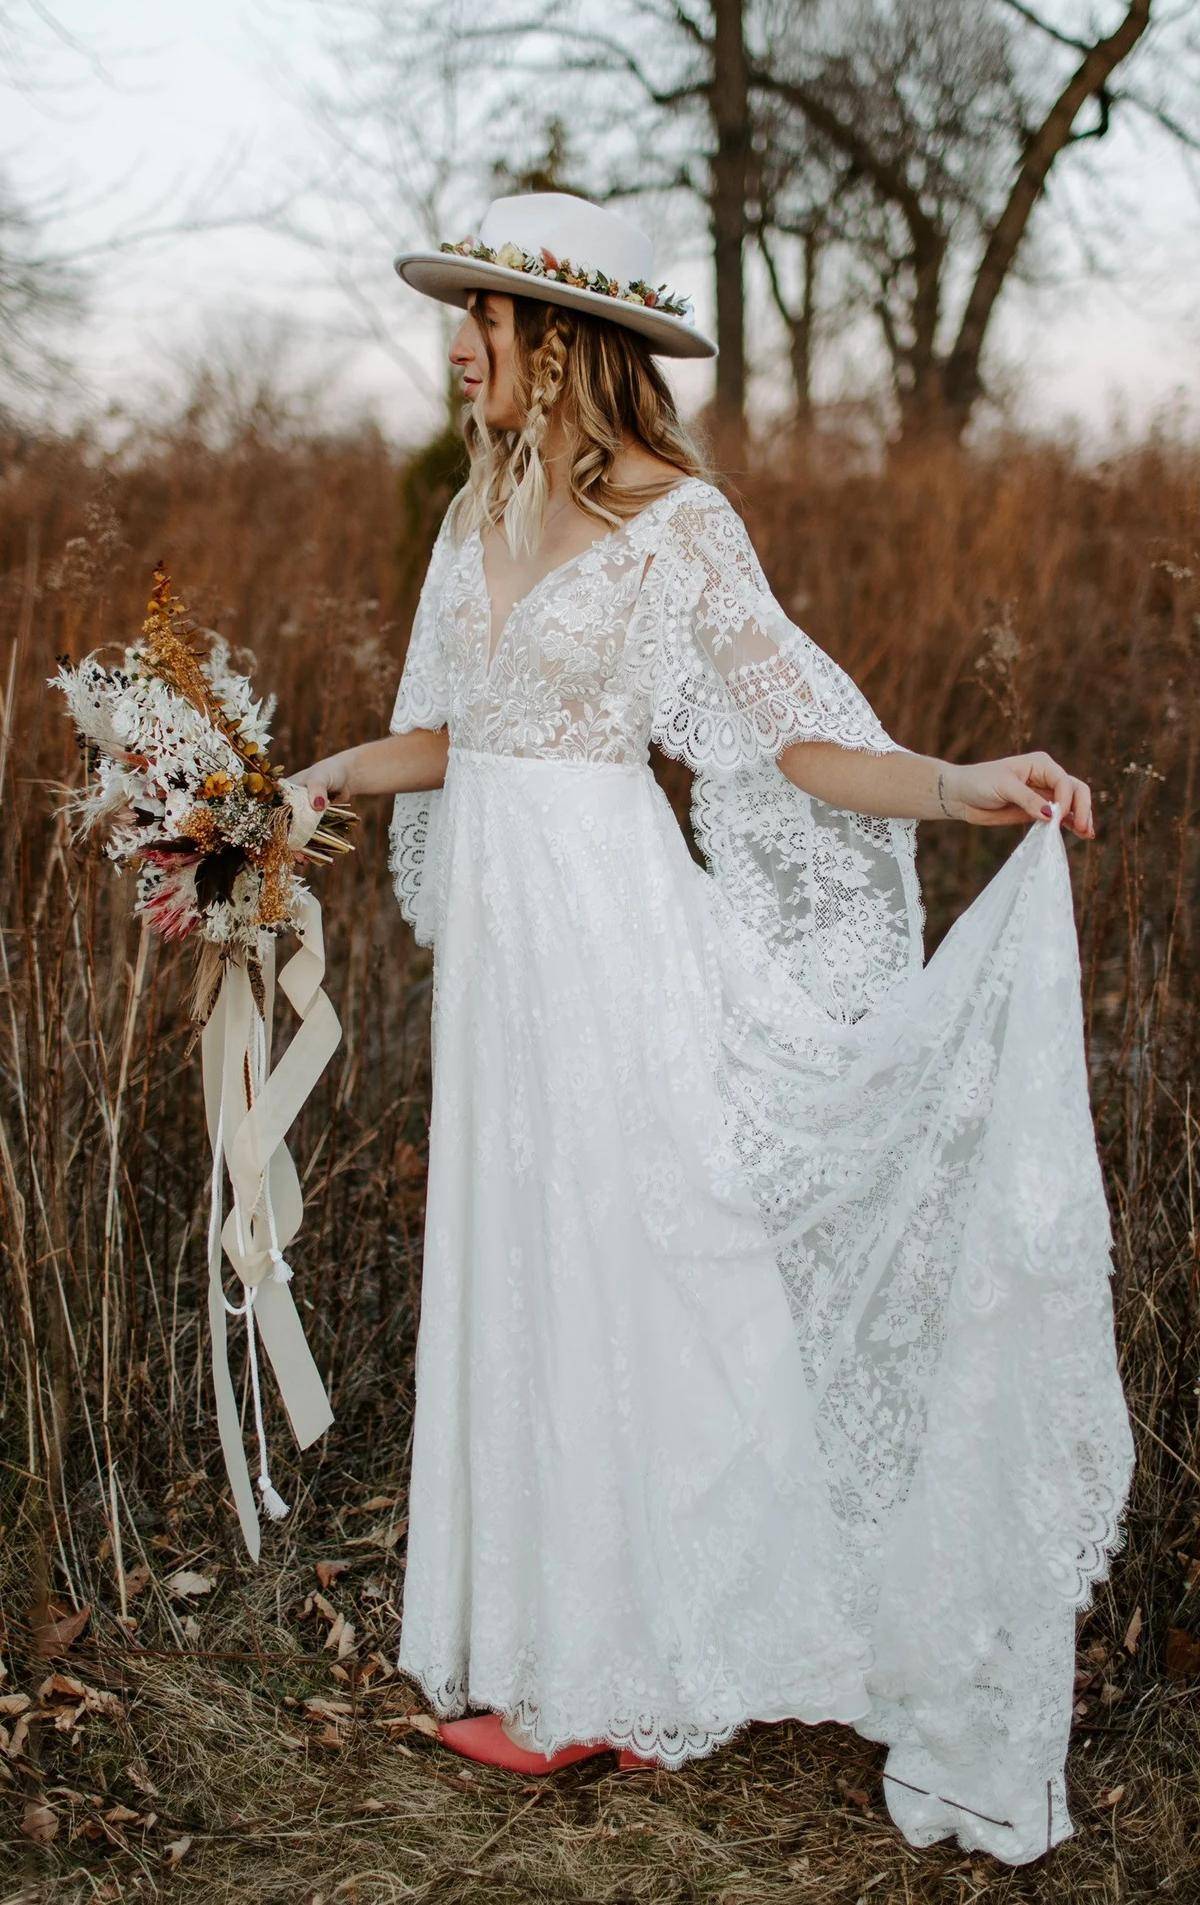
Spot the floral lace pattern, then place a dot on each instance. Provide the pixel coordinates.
(766, 1362)
(665, 630)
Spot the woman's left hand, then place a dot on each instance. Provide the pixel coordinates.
(1019, 787)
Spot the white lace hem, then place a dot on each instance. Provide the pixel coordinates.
(926, 1799)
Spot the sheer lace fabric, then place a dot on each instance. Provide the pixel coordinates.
(666, 631)
(766, 1364)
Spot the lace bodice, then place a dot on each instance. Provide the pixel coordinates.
(665, 630)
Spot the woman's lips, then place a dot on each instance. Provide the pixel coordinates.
(472, 383)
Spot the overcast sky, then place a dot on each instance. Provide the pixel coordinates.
(163, 105)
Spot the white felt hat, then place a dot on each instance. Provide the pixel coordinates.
(529, 240)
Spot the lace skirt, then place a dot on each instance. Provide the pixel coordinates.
(765, 1366)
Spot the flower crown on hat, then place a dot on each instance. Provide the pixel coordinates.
(543, 264)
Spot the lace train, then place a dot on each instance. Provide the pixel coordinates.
(802, 1401)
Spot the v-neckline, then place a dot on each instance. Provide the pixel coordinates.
(494, 643)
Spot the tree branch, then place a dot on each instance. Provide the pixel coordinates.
(890, 179)
(1089, 78)
(1044, 26)
(1165, 119)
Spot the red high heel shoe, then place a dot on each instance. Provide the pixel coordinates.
(484, 1740)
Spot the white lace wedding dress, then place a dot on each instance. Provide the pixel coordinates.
(766, 1362)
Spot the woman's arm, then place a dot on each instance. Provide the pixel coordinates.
(909, 786)
(405, 763)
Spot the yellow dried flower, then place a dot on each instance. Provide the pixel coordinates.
(276, 863)
(199, 825)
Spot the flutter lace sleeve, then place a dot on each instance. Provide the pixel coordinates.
(422, 701)
(834, 892)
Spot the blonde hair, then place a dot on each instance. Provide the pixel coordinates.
(601, 380)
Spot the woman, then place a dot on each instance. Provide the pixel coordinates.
(766, 1363)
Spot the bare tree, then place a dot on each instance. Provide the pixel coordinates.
(883, 158)
(943, 123)
(46, 278)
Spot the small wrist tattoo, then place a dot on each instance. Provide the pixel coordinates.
(942, 797)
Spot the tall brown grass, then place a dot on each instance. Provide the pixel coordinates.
(251, 1740)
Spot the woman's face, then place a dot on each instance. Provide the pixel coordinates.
(488, 326)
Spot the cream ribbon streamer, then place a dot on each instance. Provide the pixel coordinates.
(249, 1109)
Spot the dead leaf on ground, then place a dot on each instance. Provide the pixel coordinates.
(341, 1637)
(176, 1850)
(39, 1822)
(384, 1535)
(12, 1745)
(185, 1582)
(854, 1795)
(1183, 1654)
(328, 1571)
(123, 1816)
(318, 1708)
(1133, 1631)
(1110, 1795)
(62, 1695)
(315, 1603)
(56, 1626)
(422, 1723)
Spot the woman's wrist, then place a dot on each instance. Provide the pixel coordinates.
(344, 763)
(950, 803)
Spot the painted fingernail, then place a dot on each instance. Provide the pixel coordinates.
(1049, 812)
(319, 801)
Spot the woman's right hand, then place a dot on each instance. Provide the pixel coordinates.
(327, 780)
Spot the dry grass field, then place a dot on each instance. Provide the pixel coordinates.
(177, 1723)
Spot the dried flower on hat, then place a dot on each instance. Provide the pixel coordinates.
(543, 264)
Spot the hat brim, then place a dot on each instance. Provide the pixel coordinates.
(439, 274)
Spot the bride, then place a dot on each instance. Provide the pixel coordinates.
(766, 1366)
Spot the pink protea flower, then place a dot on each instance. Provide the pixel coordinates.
(171, 913)
(163, 857)
(171, 909)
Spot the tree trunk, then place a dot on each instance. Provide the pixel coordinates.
(730, 107)
(802, 330)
